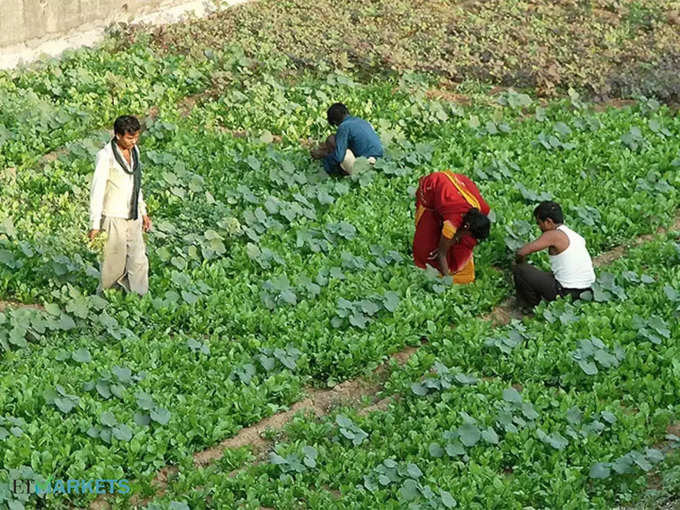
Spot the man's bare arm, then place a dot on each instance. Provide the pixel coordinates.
(544, 242)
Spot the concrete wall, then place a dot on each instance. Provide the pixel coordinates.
(30, 28)
(23, 21)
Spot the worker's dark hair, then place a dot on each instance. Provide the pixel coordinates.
(336, 113)
(126, 124)
(551, 210)
(479, 223)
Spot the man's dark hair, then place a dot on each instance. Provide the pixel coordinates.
(336, 113)
(551, 210)
(126, 124)
(479, 223)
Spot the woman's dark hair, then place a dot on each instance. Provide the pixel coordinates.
(479, 223)
(551, 210)
(336, 113)
(126, 124)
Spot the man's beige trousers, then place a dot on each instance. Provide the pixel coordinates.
(125, 262)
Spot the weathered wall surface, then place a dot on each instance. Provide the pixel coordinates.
(23, 21)
(29, 28)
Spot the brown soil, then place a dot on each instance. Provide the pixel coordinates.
(497, 90)
(445, 95)
(380, 405)
(504, 313)
(609, 256)
(187, 104)
(14, 304)
(674, 429)
(612, 103)
(52, 156)
(404, 355)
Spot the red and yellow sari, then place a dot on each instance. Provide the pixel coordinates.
(442, 199)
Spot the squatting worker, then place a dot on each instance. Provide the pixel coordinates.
(117, 207)
(451, 218)
(354, 138)
(572, 268)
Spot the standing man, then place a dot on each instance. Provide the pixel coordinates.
(118, 208)
(354, 138)
(451, 218)
(572, 268)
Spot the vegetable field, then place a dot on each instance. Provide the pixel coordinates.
(271, 282)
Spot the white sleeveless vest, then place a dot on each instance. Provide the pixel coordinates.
(573, 268)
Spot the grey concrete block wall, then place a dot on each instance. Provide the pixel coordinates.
(26, 21)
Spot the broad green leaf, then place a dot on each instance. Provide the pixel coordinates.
(103, 389)
(588, 367)
(267, 363)
(655, 456)
(409, 490)
(144, 401)
(512, 395)
(118, 390)
(446, 499)
(343, 421)
(600, 471)
(490, 436)
(419, 389)
(52, 309)
(466, 379)
(107, 418)
(623, 465)
(574, 415)
(391, 301)
(288, 296)
(609, 417)
(413, 471)
(469, 434)
(82, 356)
(142, 419)
(276, 459)
(122, 432)
(65, 404)
(358, 319)
(455, 449)
(160, 415)
(436, 450)
(310, 451)
(123, 374)
(189, 297)
(641, 461)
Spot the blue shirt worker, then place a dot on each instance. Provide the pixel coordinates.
(354, 138)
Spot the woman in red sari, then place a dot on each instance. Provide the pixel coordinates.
(451, 218)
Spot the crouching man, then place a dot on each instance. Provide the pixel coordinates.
(354, 138)
(572, 268)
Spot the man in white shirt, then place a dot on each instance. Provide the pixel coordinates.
(572, 268)
(117, 207)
